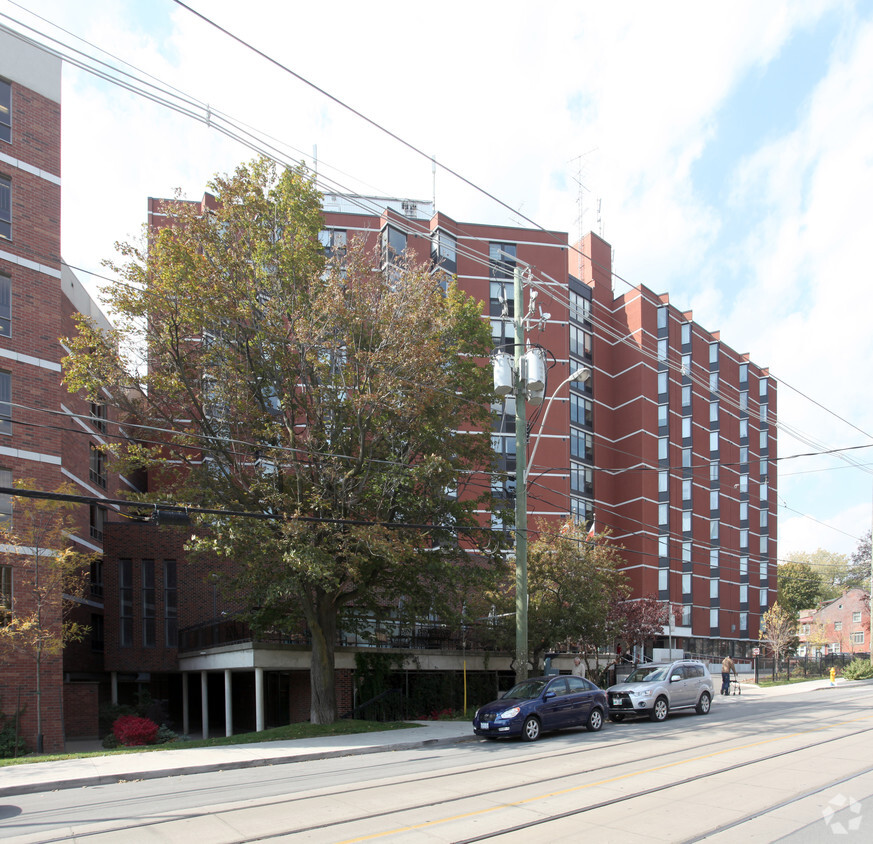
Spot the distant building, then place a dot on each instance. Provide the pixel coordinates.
(839, 627)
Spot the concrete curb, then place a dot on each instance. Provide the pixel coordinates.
(229, 765)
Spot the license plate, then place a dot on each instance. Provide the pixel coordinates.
(616, 701)
(483, 726)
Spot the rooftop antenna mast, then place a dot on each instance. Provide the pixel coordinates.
(580, 202)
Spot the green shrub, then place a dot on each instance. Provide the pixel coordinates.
(858, 669)
(109, 741)
(8, 745)
(165, 735)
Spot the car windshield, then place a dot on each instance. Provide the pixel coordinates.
(528, 690)
(648, 674)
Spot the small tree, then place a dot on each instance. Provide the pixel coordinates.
(778, 630)
(48, 574)
(643, 619)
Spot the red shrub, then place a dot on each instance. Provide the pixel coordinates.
(133, 731)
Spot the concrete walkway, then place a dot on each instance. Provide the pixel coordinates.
(104, 770)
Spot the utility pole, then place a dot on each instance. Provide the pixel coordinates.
(521, 654)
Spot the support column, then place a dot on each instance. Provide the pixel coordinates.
(114, 681)
(186, 723)
(228, 704)
(259, 699)
(204, 703)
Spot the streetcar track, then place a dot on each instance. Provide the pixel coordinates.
(471, 770)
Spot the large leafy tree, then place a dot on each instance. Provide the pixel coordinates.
(832, 569)
(50, 576)
(341, 399)
(576, 591)
(800, 587)
(859, 565)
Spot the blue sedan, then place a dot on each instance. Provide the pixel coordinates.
(541, 704)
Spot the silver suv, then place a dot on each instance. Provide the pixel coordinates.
(656, 689)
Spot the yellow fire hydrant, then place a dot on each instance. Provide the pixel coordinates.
(833, 676)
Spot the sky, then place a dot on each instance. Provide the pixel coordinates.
(724, 150)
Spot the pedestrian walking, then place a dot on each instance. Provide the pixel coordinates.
(727, 666)
(578, 668)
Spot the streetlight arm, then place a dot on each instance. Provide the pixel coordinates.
(581, 374)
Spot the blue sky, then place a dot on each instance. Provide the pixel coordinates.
(728, 146)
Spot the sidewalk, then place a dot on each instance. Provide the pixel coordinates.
(105, 770)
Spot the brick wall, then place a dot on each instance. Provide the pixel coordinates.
(81, 707)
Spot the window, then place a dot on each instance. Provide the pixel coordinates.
(97, 632)
(744, 621)
(763, 469)
(502, 259)
(97, 518)
(858, 638)
(581, 479)
(686, 552)
(744, 429)
(744, 566)
(5, 111)
(686, 583)
(662, 316)
(838, 625)
(664, 546)
(580, 342)
(5, 499)
(579, 509)
(744, 593)
(713, 587)
(663, 481)
(764, 518)
(5, 208)
(685, 333)
(171, 608)
(744, 538)
(148, 603)
(856, 617)
(686, 615)
(5, 306)
(686, 521)
(744, 399)
(713, 441)
(662, 415)
(686, 395)
(713, 558)
(393, 244)
(713, 353)
(762, 389)
(444, 250)
(686, 457)
(125, 603)
(5, 592)
(762, 441)
(744, 511)
(713, 529)
(713, 619)
(581, 410)
(580, 307)
(96, 577)
(662, 383)
(713, 471)
(686, 427)
(744, 373)
(98, 415)
(713, 412)
(663, 579)
(713, 499)
(744, 482)
(686, 489)
(333, 241)
(763, 543)
(713, 382)
(5, 403)
(663, 514)
(662, 349)
(501, 295)
(686, 366)
(98, 466)
(581, 445)
(762, 598)
(762, 570)
(744, 454)
(663, 444)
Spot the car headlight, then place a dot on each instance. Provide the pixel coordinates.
(645, 693)
(509, 713)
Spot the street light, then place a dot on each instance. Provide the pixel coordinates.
(524, 376)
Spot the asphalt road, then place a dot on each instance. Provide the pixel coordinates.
(797, 768)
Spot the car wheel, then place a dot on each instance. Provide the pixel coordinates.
(595, 720)
(659, 711)
(618, 717)
(703, 704)
(531, 729)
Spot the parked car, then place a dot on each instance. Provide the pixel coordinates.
(657, 689)
(541, 704)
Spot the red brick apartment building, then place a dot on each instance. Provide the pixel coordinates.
(45, 434)
(669, 444)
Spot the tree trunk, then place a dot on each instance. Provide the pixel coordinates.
(323, 709)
